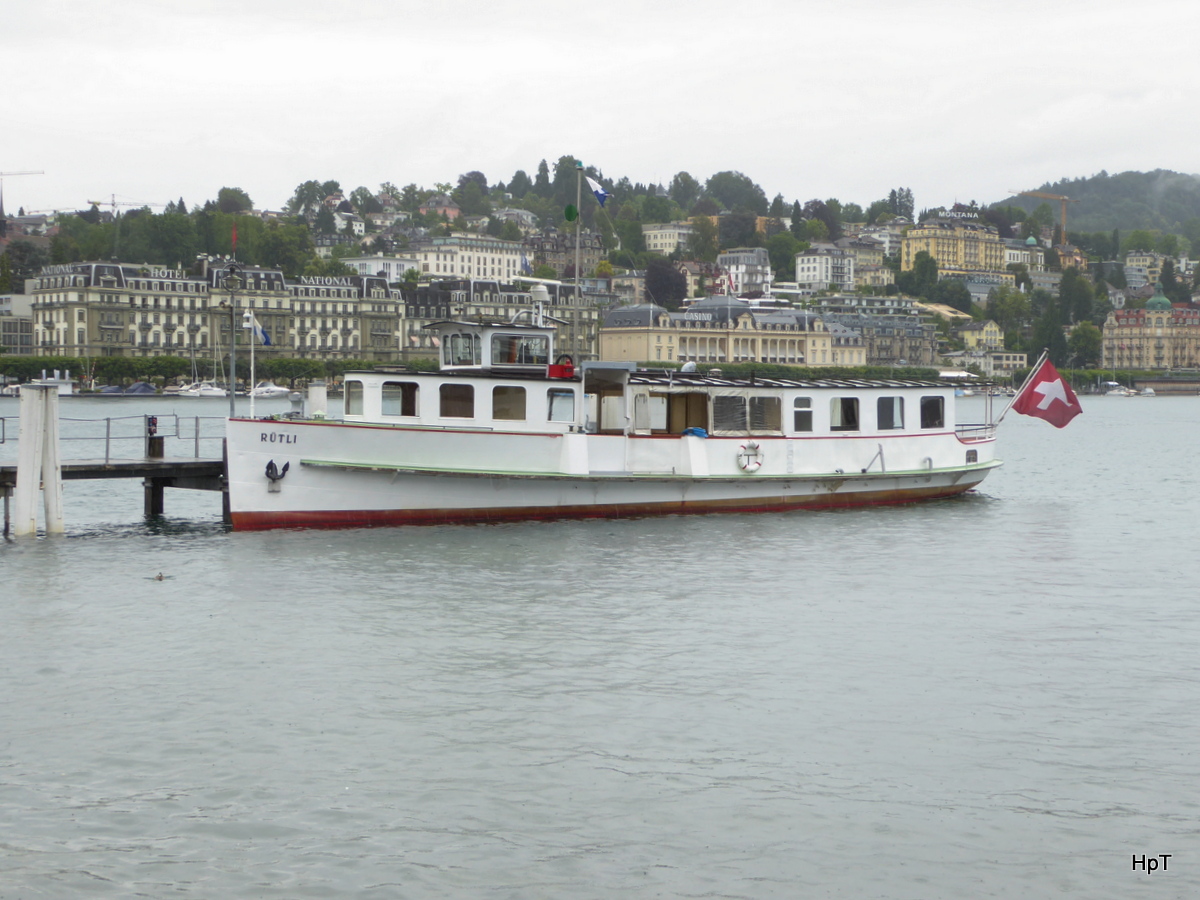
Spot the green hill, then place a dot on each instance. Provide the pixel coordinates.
(1155, 201)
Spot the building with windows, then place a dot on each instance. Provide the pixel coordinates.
(1160, 336)
(893, 339)
(118, 309)
(962, 244)
(667, 237)
(390, 268)
(1143, 267)
(716, 330)
(703, 279)
(825, 267)
(981, 335)
(557, 250)
(749, 269)
(16, 325)
(469, 256)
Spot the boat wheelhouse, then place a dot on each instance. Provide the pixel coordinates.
(506, 430)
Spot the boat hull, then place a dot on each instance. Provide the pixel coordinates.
(379, 486)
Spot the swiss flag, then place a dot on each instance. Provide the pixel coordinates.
(1048, 396)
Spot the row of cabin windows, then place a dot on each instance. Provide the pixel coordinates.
(889, 413)
(764, 414)
(457, 401)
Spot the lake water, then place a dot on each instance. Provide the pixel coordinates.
(994, 696)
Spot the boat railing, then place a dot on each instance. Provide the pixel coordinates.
(969, 433)
(182, 436)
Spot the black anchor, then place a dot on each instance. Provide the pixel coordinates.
(276, 474)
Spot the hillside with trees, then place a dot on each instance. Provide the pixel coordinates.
(1161, 201)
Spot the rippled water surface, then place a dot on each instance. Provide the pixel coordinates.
(989, 697)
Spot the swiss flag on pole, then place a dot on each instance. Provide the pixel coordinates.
(1048, 396)
(235, 239)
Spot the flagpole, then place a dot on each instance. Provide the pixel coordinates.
(253, 328)
(1017, 396)
(578, 222)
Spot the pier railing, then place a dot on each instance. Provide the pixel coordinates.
(113, 437)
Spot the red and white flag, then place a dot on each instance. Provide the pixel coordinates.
(1047, 395)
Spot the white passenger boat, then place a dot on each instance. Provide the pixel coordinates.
(269, 389)
(502, 433)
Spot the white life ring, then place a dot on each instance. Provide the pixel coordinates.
(750, 456)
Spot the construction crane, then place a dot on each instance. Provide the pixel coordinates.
(114, 203)
(1044, 196)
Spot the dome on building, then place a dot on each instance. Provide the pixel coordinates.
(1159, 300)
(1031, 241)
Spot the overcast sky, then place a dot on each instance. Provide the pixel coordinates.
(152, 100)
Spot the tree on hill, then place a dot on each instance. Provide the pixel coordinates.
(1075, 296)
(702, 243)
(1085, 345)
(520, 185)
(684, 190)
(821, 211)
(665, 284)
(365, 202)
(233, 200)
(782, 249)
(736, 191)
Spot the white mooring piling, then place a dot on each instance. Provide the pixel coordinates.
(39, 466)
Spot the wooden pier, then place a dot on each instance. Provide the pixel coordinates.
(157, 474)
(40, 468)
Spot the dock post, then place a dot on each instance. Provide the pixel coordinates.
(38, 461)
(153, 492)
(153, 487)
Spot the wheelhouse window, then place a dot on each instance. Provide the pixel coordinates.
(843, 414)
(561, 405)
(457, 401)
(889, 412)
(461, 350)
(802, 414)
(520, 350)
(354, 398)
(933, 412)
(399, 398)
(508, 403)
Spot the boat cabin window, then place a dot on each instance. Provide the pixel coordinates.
(843, 414)
(802, 414)
(508, 403)
(650, 412)
(461, 350)
(766, 414)
(354, 398)
(889, 413)
(729, 413)
(457, 401)
(561, 405)
(933, 412)
(398, 398)
(741, 414)
(520, 350)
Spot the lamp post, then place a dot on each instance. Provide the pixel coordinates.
(232, 282)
